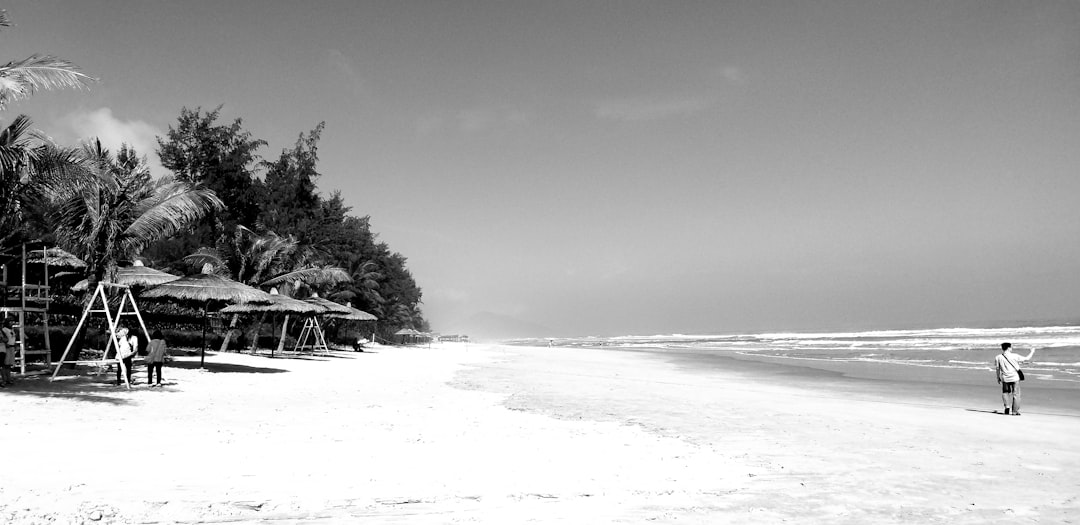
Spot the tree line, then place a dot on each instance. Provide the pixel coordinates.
(222, 208)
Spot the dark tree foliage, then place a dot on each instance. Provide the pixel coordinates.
(287, 202)
(292, 204)
(221, 157)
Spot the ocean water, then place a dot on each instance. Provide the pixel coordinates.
(1056, 360)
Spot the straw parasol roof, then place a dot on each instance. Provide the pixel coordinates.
(55, 257)
(279, 304)
(135, 275)
(205, 287)
(329, 307)
(354, 315)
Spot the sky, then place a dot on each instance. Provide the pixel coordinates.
(626, 167)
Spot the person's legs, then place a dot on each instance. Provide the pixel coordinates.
(1006, 395)
(5, 372)
(127, 365)
(149, 373)
(159, 366)
(1016, 399)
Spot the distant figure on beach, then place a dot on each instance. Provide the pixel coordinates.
(125, 353)
(7, 353)
(1007, 367)
(155, 357)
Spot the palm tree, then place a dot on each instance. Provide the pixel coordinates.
(307, 278)
(365, 278)
(21, 156)
(17, 155)
(28, 162)
(21, 78)
(266, 260)
(113, 210)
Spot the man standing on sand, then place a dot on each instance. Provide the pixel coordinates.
(1007, 365)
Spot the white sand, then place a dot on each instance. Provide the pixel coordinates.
(475, 434)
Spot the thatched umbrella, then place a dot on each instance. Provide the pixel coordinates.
(206, 288)
(329, 307)
(135, 275)
(353, 315)
(281, 305)
(407, 333)
(56, 258)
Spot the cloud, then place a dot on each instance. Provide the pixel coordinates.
(652, 108)
(708, 90)
(474, 120)
(113, 132)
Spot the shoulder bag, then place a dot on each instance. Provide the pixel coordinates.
(1018, 371)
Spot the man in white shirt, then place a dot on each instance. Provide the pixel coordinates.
(1007, 366)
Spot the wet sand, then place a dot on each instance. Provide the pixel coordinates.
(961, 388)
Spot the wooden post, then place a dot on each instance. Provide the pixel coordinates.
(202, 351)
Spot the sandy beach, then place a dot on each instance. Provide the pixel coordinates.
(473, 433)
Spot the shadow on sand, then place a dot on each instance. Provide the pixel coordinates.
(92, 388)
(984, 411)
(226, 368)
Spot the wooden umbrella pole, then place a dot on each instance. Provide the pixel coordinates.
(202, 351)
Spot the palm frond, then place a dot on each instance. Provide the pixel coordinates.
(16, 133)
(312, 276)
(180, 207)
(16, 147)
(343, 295)
(204, 256)
(39, 72)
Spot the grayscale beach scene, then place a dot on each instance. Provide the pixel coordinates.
(553, 262)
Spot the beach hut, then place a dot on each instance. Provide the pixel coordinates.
(408, 335)
(207, 289)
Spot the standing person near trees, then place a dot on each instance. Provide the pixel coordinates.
(7, 352)
(125, 353)
(1007, 366)
(155, 357)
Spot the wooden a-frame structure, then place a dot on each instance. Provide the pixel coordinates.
(92, 307)
(311, 330)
